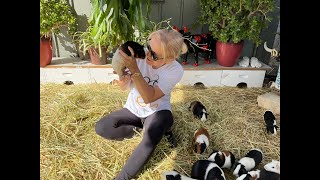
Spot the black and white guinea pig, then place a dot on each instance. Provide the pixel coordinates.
(247, 163)
(207, 170)
(198, 110)
(270, 121)
(200, 140)
(117, 61)
(273, 166)
(174, 175)
(269, 175)
(251, 175)
(224, 159)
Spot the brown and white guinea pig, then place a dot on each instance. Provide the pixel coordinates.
(251, 175)
(207, 170)
(174, 175)
(224, 159)
(270, 121)
(198, 110)
(117, 61)
(247, 163)
(200, 140)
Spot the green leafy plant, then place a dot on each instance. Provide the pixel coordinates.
(55, 14)
(236, 20)
(112, 22)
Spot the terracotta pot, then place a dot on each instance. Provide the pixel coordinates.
(45, 51)
(228, 53)
(94, 56)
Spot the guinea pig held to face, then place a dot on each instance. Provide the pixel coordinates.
(117, 61)
(200, 141)
(198, 110)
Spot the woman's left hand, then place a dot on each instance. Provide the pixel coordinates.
(130, 61)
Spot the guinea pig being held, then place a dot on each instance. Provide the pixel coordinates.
(224, 159)
(198, 110)
(270, 121)
(200, 141)
(117, 61)
(247, 163)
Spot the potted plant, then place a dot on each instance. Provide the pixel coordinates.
(233, 21)
(53, 15)
(111, 22)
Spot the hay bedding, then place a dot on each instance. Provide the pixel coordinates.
(70, 148)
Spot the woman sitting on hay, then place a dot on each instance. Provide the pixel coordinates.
(151, 81)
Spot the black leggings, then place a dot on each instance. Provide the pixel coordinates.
(120, 124)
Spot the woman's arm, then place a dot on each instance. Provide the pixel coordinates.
(148, 93)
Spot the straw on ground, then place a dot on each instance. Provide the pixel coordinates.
(70, 148)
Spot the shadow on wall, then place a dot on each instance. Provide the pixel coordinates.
(82, 27)
(64, 46)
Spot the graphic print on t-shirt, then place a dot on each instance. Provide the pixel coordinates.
(152, 83)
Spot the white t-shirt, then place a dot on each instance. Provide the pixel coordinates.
(165, 77)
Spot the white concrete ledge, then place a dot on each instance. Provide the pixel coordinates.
(82, 71)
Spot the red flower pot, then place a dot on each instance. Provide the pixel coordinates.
(228, 53)
(94, 56)
(45, 51)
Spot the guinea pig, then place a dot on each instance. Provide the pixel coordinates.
(224, 159)
(174, 175)
(199, 110)
(267, 175)
(247, 163)
(200, 141)
(270, 121)
(251, 175)
(206, 170)
(273, 166)
(117, 61)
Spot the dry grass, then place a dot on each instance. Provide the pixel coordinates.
(70, 148)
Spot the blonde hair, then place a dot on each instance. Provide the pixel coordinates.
(171, 43)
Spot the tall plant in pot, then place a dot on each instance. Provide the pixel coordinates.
(111, 22)
(233, 21)
(53, 15)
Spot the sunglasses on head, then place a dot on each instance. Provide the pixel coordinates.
(153, 54)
